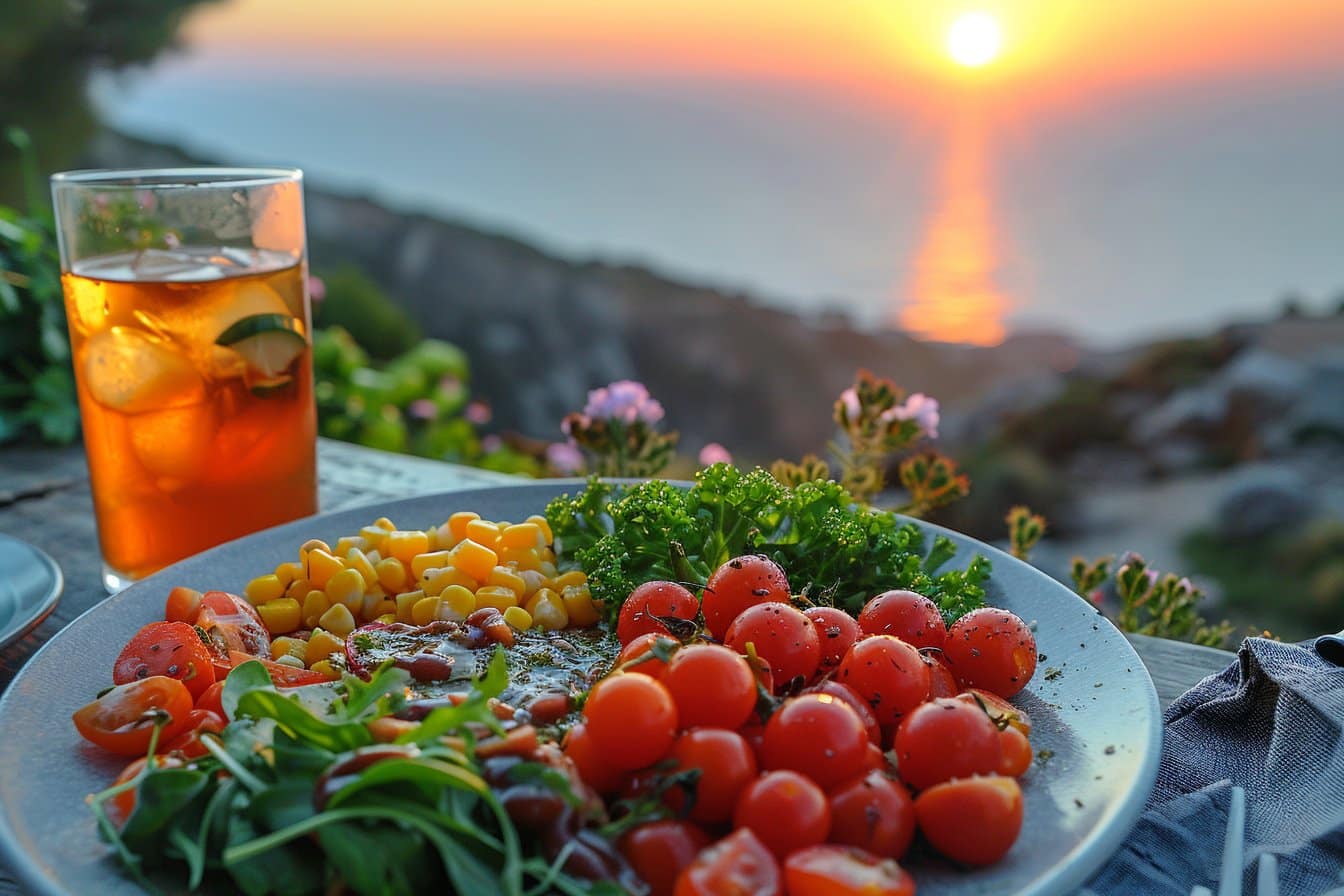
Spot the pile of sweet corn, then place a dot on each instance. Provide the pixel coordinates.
(386, 574)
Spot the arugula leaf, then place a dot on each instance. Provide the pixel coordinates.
(475, 709)
(383, 694)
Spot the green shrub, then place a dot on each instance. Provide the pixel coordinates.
(357, 304)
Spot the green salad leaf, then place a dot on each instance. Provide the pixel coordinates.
(834, 550)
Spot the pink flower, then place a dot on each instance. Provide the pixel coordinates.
(146, 200)
(564, 457)
(172, 240)
(714, 453)
(317, 290)
(423, 409)
(625, 401)
(920, 408)
(478, 412)
(850, 399)
(491, 443)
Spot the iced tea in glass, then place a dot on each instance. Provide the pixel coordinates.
(185, 293)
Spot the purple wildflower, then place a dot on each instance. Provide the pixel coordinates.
(491, 443)
(850, 399)
(625, 401)
(564, 457)
(317, 290)
(423, 409)
(714, 453)
(920, 408)
(477, 412)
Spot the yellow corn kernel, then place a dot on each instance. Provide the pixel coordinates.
(325, 668)
(438, 579)
(385, 607)
(404, 603)
(288, 572)
(391, 574)
(573, 577)
(533, 582)
(425, 610)
(547, 554)
(292, 662)
(338, 620)
(432, 537)
(315, 603)
(385, 524)
(321, 645)
(483, 532)
(444, 538)
(321, 566)
(356, 559)
(347, 589)
(547, 568)
(548, 610)
(458, 603)
(368, 607)
(281, 615)
(475, 559)
(343, 545)
(387, 618)
(518, 618)
(539, 521)
(506, 578)
(374, 535)
(299, 588)
(374, 555)
(313, 544)
(522, 558)
(521, 535)
(457, 523)
(423, 563)
(579, 605)
(496, 596)
(405, 544)
(264, 588)
(294, 647)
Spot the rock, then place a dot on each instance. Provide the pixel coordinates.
(1263, 499)
(1261, 384)
(1189, 412)
(1319, 411)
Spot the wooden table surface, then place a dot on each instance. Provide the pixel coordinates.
(44, 499)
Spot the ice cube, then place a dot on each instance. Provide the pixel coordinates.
(174, 444)
(181, 266)
(130, 371)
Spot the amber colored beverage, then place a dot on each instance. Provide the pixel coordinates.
(195, 392)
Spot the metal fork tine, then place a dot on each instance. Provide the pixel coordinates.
(1267, 875)
(1229, 882)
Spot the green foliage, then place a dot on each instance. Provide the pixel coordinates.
(1088, 576)
(37, 389)
(834, 551)
(413, 404)
(298, 802)
(1162, 605)
(1025, 529)
(357, 304)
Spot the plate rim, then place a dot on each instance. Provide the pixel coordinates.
(1080, 864)
(44, 607)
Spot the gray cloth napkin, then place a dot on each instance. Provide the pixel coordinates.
(1273, 723)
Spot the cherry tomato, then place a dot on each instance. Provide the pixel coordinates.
(740, 583)
(712, 686)
(853, 701)
(659, 850)
(647, 602)
(971, 820)
(233, 624)
(640, 649)
(829, 870)
(786, 810)
(183, 605)
(282, 676)
(906, 615)
(727, 765)
(782, 636)
(213, 700)
(173, 649)
(120, 807)
(188, 743)
(837, 632)
(1000, 711)
(888, 674)
(739, 864)
(754, 734)
(819, 736)
(942, 683)
(121, 721)
(874, 813)
(875, 759)
(946, 739)
(992, 649)
(595, 771)
(1016, 752)
(632, 720)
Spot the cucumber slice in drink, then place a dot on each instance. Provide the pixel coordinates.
(269, 386)
(268, 342)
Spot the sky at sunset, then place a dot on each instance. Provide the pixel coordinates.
(948, 200)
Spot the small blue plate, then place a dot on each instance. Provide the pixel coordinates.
(30, 585)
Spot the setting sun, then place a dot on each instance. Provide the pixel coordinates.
(974, 39)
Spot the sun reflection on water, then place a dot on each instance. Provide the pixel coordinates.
(954, 296)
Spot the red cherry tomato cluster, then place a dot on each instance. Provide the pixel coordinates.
(804, 751)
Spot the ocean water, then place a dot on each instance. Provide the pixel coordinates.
(1136, 214)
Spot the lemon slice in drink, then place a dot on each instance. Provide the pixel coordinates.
(268, 342)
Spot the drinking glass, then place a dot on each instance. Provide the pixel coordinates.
(187, 302)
